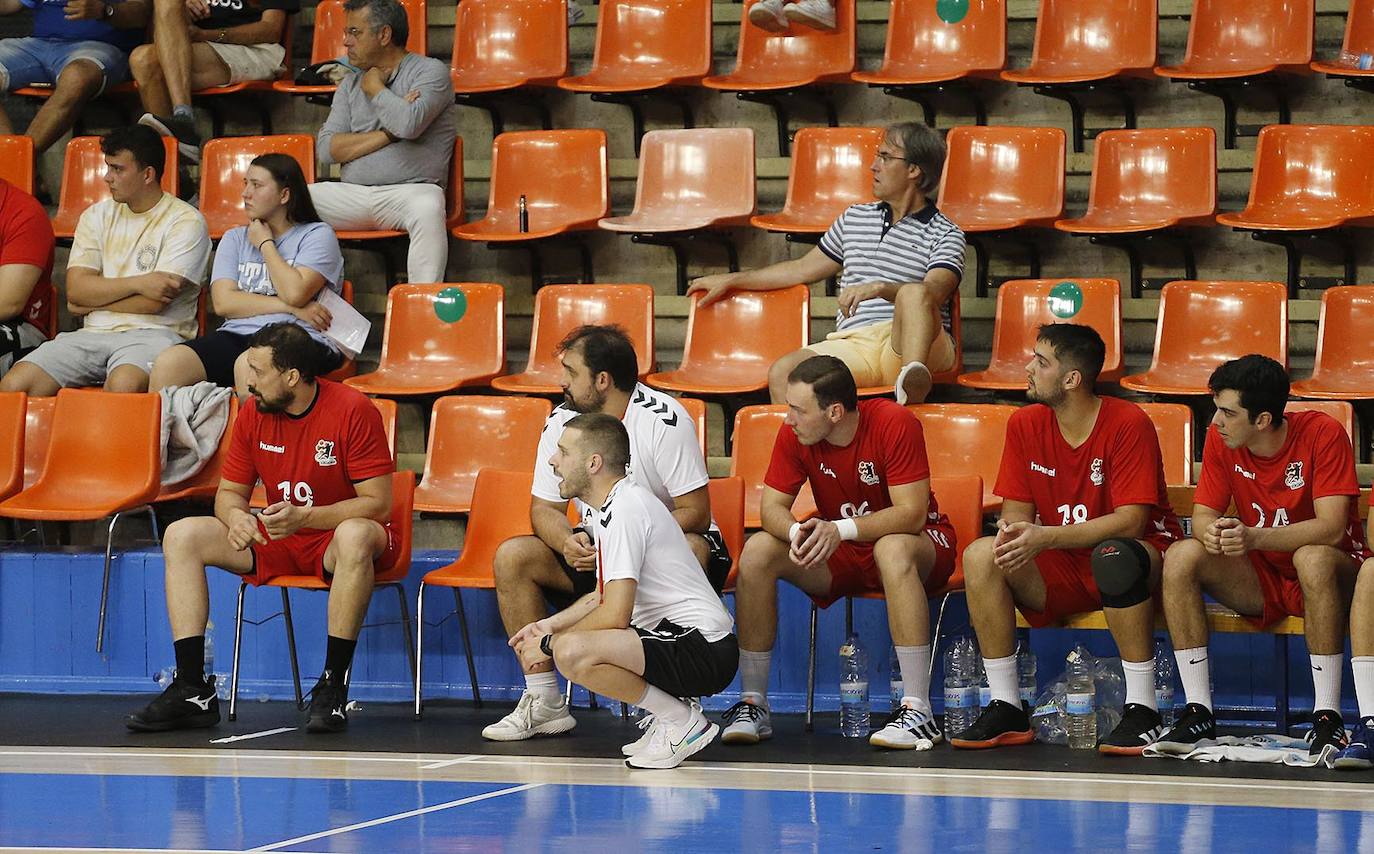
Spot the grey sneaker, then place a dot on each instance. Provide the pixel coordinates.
(532, 716)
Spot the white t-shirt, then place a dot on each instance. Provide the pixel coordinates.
(637, 538)
(169, 237)
(665, 457)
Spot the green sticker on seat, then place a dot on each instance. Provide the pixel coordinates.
(450, 304)
(1066, 300)
(951, 11)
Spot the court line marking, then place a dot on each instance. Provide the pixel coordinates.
(398, 817)
(246, 736)
(447, 762)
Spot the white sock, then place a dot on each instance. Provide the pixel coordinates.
(1362, 666)
(1140, 682)
(665, 706)
(1002, 679)
(753, 673)
(915, 664)
(1196, 673)
(1326, 682)
(543, 685)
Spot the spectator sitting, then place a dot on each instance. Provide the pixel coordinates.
(26, 293)
(134, 273)
(266, 272)
(392, 129)
(78, 47)
(198, 44)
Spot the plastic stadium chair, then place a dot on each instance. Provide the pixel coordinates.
(327, 44)
(1149, 184)
(1309, 180)
(16, 161)
(965, 438)
(928, 55)
(647, 50)
(1351, 65)
(1202, 324)
(1344, 365)
(223, 165)
(83, 181)
(504, 52)
(691, 182)
(731, 343)
(70, 488)
(390, 575)
(13, 418)
(1341, 410)
(778, 69)
(697, 409)
(349, 368)
(425, 354)
(37, 435)
(751, 449)
(1091, 48)
(563, 176)
(727, 509)
(1024, 304)
(501, 511)
(828, 173)
(999, 181)
(560, 310)
(203, 485)
(1174, 426)
(1234, 44)
(471, 432)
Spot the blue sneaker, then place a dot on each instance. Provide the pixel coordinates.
(1359, 754)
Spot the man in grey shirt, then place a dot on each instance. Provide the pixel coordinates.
(392, 128)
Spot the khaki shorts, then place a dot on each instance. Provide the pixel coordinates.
(867, 352)
(250, 61)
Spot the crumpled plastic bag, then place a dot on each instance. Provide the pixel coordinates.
(1048, 718)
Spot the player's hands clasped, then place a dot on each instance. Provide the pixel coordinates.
(816, 541)
(578, 552)
(243, 531)
(283, 519)
(1017, 544)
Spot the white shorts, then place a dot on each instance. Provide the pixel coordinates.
(250, 61)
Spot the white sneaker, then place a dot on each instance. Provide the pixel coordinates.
(746, 723)
(908, 729)
(575, 12)
(767, 15)
(669, 745)
(913, 383)
(532, 716)
(646, 723)
(817, 14)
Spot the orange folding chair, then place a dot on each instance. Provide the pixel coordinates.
(16, 161)
(470, 432)
(37, 435)
(1344, 365)
(223, 165)
(83, 181)
(966, 438)
(751, 449)
(1174, 427)
(327, 44)
(504, 53)
(696, 408)
(828, 173)
(727, 509)
(1341, 410)
(203, 485)
(13, 420)
(1351, 65)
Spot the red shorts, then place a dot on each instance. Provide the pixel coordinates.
(1069, 584)
(853, 570)
(1281, 590)
(302, 553)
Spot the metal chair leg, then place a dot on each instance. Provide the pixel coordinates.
(419, 645)
(105, 585)
(467, 650)
(238, 641)
(935, 635)
(405, 623)
(811, 672)
(291, 646)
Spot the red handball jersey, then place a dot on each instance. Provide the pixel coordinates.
(1316, 460)
(313, 458)
(1119, 464)
(26, 238)
(888, 450)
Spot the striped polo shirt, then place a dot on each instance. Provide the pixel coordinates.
(872, 248)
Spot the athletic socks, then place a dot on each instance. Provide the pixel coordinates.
(543, 685)
(1002, 679)
(1362, 667)
(665, 706)
(183, 111)
(338, 657)
(1140, 682)
(753, 673)
(1326, 682)
(915, 664)
(1195, 671)
(190, 658)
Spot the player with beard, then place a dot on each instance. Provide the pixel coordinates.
(1090, 469)
(321, 450)
(600, 374)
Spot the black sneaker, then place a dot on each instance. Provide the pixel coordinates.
(328, 706)
(1140, 725)
(187, 137)
(183, 705)
(1196, 723)
(999, 724)
(1328, 731)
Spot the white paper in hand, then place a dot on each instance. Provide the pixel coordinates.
(347, 327)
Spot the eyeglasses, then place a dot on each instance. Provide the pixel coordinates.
(354, 32)
(888, 158)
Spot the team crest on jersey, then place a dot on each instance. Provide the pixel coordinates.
(1292, 476)
(868, 473)
(1095, 473)
(324, 453)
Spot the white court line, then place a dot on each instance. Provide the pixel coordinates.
(232, 738)
(397, 817)
(447, 762)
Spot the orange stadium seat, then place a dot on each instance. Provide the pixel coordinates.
(1357, 44)
(16, 161)
(471, 432)
(560, 310)
(1341, 410)
(1174, 427)
(37, 434)
(751, 449)
(965, 438)
(203, 485)
(1024, 305)
(223, 165)
(83, 181)
(828, 173)
(697, 409)
(327, 43)
(727, 509)
(1344, 365)
(13, 419)
(349, 368)
(503, 50)
(1202, 324)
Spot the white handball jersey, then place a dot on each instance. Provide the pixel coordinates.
(637, 538)
(665, 457)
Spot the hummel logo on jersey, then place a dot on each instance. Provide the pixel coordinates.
(274, 449)
(1037, 467)
(324, 453)
(1292, 476)
(868, 472)
(203, 705)
(1249, 475)
(825, 469)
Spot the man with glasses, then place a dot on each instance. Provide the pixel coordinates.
(899, 261)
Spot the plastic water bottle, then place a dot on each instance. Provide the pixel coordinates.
(209, 648)
(895, 685)
(1080, 705)
(984, 689)
(853, 689)
(961, 693)
(1025, 671)
(1164, 682)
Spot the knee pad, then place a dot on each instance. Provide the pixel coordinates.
(1121, 568)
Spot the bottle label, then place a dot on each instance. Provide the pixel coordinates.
(896, 690)
(1028, 696)
(853, 692)
(1079, 704)
(1164, 698)
(954, 698)
(984, 696)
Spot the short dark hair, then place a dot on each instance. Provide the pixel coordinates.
(1261, 382)
(922, 147)
(605, 348)
(140, 141)
(384, 13)
(1076, 345)
(287, 173)
(292, 347)
(830, 379)
(603, 434)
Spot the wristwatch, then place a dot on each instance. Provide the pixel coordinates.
(546, 645)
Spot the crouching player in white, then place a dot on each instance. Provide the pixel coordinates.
(653, 630)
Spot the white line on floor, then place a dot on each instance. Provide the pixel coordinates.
(447, 762)
(246, 736)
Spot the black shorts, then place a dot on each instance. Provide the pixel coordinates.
(219, 350)
(685, 664)
(717, 571)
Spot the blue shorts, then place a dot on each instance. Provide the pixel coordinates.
(27, 61)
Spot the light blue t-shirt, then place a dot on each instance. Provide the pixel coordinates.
(312, 245)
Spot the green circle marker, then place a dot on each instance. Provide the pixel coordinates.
(450, 304)
(951, 11)
(1066, 300)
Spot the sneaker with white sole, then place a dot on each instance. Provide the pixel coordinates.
(908, 729)
(746, 723)
(532, 716)
(646, 724)
(913, 383)
(767, 15)
(669, 745)
(816, 14)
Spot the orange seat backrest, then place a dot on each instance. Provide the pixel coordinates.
(961, 500)
(206, 481)
(327, 42)
(964, 438)
(1073, 38)
(83, 180)
(1202, 324)
(37, 433)
(696, 408)
(130, 458)
(560, 310)
(756, 429)
(727, 509)
(1153, 174)
(13, 405)
(697, 172)
(747, 328)
(1005, 172)
(564, 176)
(1174, 427)
(798, 52)
(830, 172)
(1341, 410)
(921, 42)
(224, 163)
(1318, 170)
(500, 511)
(470, 432)
(1359, 28)
(1023, 305)
(403, 523)
(525, 41)
(1344, 345)
(16, 161)
(654, 38)
(1242, 34)
(414, 334)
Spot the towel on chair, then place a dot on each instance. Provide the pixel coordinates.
(193, 422)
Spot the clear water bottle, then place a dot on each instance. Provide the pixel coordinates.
(1025, 671)
(1164, 682)
(853, 689)
(961, 692)
(984, 689)
(209, 648)
(895, 686)
(1080, 706)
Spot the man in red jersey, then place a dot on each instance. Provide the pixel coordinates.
(1085, 522)
(320, 449)
(26, 291)
(1294, 546)
(879, 529)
